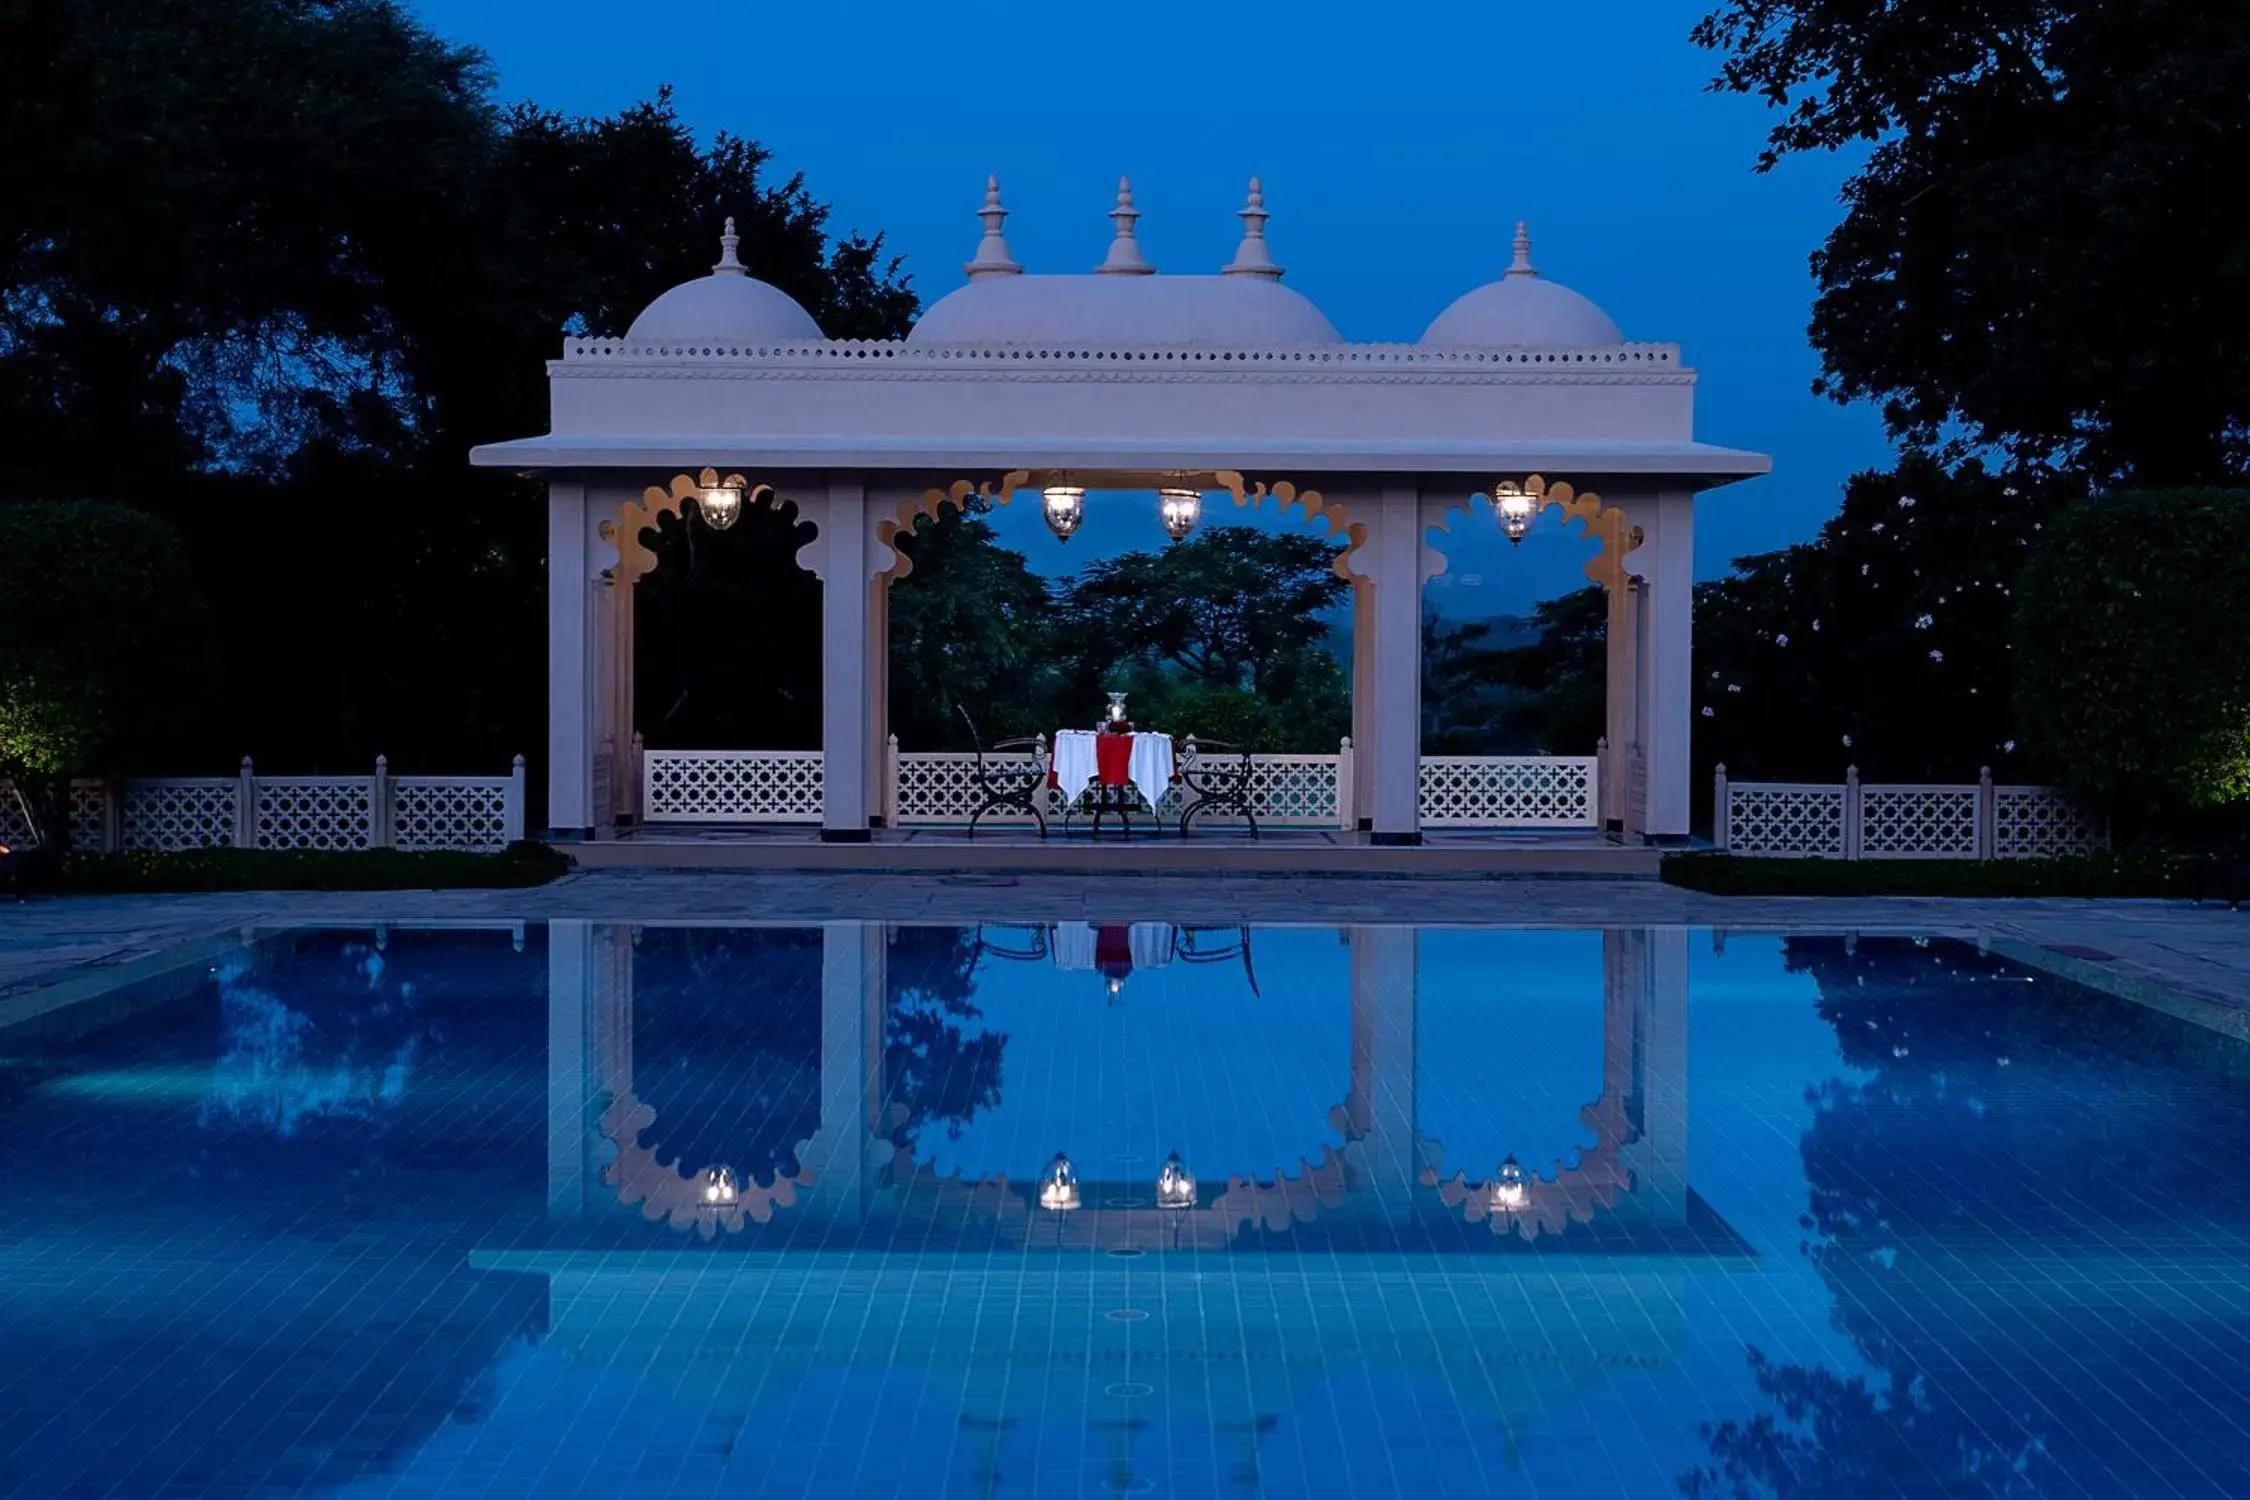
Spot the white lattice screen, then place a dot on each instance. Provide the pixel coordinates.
(731, 786)
(1510, 791)
(315, 812)
(1784, 820)
(15, 818)
(455, 812)
(1918, 822)
(1287, 791)
(181, 812)
(2038, 822)
(939, 787)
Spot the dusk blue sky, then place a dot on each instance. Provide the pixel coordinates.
(1398, 148)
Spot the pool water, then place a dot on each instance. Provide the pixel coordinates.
(657, 1211)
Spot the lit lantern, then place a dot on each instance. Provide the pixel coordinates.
(1065, 508)
(1511, 1189)
(1515, 508)
(718, 1189)
(1116, 708)
(721, 500)
(1180, 510)
(1175, 1184)
(1058, 1186)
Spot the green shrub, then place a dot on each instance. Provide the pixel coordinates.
(2133, 673)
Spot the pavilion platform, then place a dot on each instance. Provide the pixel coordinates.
(1284, 851)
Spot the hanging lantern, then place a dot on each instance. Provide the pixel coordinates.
(1058, 1186)
(718, 1189)
(1064, 509)
(1511, 1189)
(721, 500)
(1515, 508)
(1175, 1184)
(1180, 510)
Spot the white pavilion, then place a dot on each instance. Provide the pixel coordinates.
(1521, 396)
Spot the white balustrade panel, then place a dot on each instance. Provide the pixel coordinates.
(731, 786)
(315, 812)
(453, 812)
(2040, 822)
(1510, 791)
(1899, 821)
(940, 786)
(15, 818)
(170, 813)
(1785, 820)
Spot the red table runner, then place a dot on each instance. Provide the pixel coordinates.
(1113, 760)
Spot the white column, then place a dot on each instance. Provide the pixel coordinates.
(1397, 660)
(1666, 708)
(1621, 689)
(573, 662)
(852, 970)
(1381, 1105)
(1363, 703)
(845, 692)
(570, 967)
(878, 694)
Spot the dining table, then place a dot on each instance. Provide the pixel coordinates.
(1111, 763)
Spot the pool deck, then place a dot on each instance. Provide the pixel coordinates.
(2194, 961)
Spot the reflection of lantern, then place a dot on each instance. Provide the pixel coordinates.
(1116, 986)
(1058, 1187)
(1180, 510)
(718, 1188)
(721, 503)
(1065, 507)
(1511, 1189)
(1175, 1184)
(1515, 508)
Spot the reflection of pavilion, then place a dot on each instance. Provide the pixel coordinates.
(1411, 1236)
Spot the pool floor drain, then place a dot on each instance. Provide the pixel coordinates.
(1127, 1254)
(1129, 1388)
(1126, 1314)
(1116, 1201)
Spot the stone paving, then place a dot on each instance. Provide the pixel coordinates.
(2170, 953)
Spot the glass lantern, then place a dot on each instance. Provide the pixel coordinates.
(718, 1189)
(1180, 510)
(1515, 508)
(1175, 1184)
(1058, 1186)
(1116, 708)
(720, 502)
(1511, 1188)
(1064, 507)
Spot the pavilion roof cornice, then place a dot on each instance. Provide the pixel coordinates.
(880, 359)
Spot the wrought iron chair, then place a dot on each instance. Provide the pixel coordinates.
(1210, 945)
(1006, 785)
(1215, 777)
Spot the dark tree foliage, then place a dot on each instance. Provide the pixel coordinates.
(1546, 695)
(2037, 256)
(108, 658)
(1884, 643)
(2135, 687)
(970, 627)
(273, 268)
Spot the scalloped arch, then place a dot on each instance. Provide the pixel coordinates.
(1605, 522)
(635, 559)
(1316, 506)
(932, 503)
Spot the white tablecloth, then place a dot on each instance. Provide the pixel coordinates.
(1074, 945)
(1076, 762)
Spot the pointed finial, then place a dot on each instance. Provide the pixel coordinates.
(992, 258)
(1125, 258)
(728, 240)
(1522, 266)
(1253, 258)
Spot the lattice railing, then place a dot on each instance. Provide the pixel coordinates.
(731, 786)
(1918, 822)
(936, 787)
(326, 813)
(1785, 820)
(315, 812)
(1286, 791)
(1510, 791)
(2037, 822)
(1951, 820)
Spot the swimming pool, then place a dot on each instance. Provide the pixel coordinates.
(647, 1210)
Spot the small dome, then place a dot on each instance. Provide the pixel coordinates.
(1522, 311)
(727, 304)
(1114, 309)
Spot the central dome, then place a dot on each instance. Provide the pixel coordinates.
(1124, 310)
(728, 304)
(1522, 311)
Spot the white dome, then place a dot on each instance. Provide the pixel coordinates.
(1098, 309)
(1522, 311)
(727, 304)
